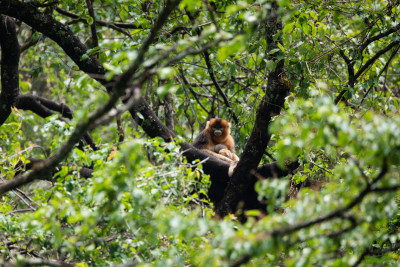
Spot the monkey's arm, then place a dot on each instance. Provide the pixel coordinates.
(229, 154)
(202, 140)
(218, 156)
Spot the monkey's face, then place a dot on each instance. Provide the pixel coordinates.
(218, 130)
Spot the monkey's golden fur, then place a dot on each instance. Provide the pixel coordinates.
(217, 141)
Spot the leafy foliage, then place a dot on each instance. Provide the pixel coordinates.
(145, 203)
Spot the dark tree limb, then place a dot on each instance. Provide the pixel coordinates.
(42, 106)
(169, 112)
(84, 172)
(378, 36)
(353, 78)
(350, 68)
(120, 25)
(45, 107)
(371, 251)
(149, 121)
(375, 57)
(44, 262)
(121, 132)
(216, 84)
(350, 71)
(10, 52)
(382, 71)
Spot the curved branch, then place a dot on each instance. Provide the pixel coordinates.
(99, 22)
(45, 107)
(95, 39)
(58, 32)
(185, 81)
(379, 36)
(42, 106)
(374, 58)
(371, 251)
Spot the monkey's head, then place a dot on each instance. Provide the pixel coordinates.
(218, 127)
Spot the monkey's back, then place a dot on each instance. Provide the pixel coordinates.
(202, 140)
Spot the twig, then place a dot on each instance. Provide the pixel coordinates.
(185, 82)
(382, 71)
(95, 39)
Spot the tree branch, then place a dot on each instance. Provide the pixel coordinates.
(95, 39)
(10, 52)
(382, 71)
(185, 81)
(350, 71)
(375, 57)
(379, 36)
(20, 167)
(119, 25)
(219, 81)
(45, 107)
(43, 262)
(370, 251)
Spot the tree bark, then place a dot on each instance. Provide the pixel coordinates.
(10, 52)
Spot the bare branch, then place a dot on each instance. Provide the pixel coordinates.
(194, 93)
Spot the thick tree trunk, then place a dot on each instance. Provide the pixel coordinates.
(10, 51)
(240, 192)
